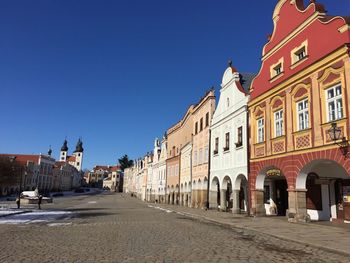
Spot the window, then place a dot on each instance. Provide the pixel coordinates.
(63, 153)
(78, 163)
(277, 69)
(334, 103)
(216, 149)
(201, 125)
(195, 158)
(196, 128)
(300, 54)
(303, 114)
(260, 134)
(207, 119)
(228, 102)
(239, 142)
(227, 141)
(278, 123)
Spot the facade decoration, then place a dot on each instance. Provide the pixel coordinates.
(229, 144)
(301, 89)
(202, 116)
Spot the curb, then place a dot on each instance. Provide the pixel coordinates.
(228, 225)
(16, 213)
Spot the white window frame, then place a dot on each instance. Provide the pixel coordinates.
(260, 130)
(303, 114)
(337, 101)
(278, 123)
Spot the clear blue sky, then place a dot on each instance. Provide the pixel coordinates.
(118, 73)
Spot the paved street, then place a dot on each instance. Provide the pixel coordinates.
(118, 228)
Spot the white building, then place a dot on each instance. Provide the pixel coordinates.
(229, 145)
(161, 184)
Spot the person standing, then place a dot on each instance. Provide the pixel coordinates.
(39, 201)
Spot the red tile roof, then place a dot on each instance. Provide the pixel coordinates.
(24, 158)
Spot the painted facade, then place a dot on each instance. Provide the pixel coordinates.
(177, 136)
(202, 116)
(162, 171)
(229, 145)
(302, 87)
(186, 175)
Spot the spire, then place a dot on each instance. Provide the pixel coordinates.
(79, 147)
(49, 152)
(64, 147)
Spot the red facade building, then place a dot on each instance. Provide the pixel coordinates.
(303, 87)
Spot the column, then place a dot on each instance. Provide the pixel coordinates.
(268, 127)
(213, 199)
(316, 111)
(223, 201)
(289, 121)
(258, 203)
(235, 202)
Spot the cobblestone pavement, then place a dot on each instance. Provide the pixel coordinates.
(118, 228)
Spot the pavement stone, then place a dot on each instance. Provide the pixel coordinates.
(118, 228)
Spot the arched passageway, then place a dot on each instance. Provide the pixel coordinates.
(273, 186)
(323, 191)
(214, 193)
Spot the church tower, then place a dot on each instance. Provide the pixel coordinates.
(78, 153)
(64, 151)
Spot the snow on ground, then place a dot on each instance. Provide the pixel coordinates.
(35, 217)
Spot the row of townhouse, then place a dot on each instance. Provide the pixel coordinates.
(108, 177)
(43, 172)
(277, 142)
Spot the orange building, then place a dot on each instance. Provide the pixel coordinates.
(303, 88)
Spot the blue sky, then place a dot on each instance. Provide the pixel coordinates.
(118, 73)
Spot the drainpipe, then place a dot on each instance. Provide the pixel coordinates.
(191, 169)
(248, 161)
(209, 152)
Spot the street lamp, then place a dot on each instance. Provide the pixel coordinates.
(335, 134)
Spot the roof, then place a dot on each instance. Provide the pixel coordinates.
(115, 168)
(24, 158)
(71, 159)
(246, 80)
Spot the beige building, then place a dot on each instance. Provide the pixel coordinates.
(178, 136)
(202, 115)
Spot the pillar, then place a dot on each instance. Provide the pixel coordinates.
(223, 201)
(213, 199)
(258, 208)
(235, 202)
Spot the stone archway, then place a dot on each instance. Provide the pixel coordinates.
(226, 194)
(271, 192)
(240, 194)
(322, 191)
(214, 193)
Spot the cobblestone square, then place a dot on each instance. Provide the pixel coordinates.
(118, 228)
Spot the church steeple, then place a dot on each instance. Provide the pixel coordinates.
(79, 147)
(64, 147)
(64, 151)
(49, 152)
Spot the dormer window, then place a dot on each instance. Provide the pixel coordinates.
(300, 54)
(278, 69)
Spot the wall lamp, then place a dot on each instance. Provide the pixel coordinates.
(335, 133)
